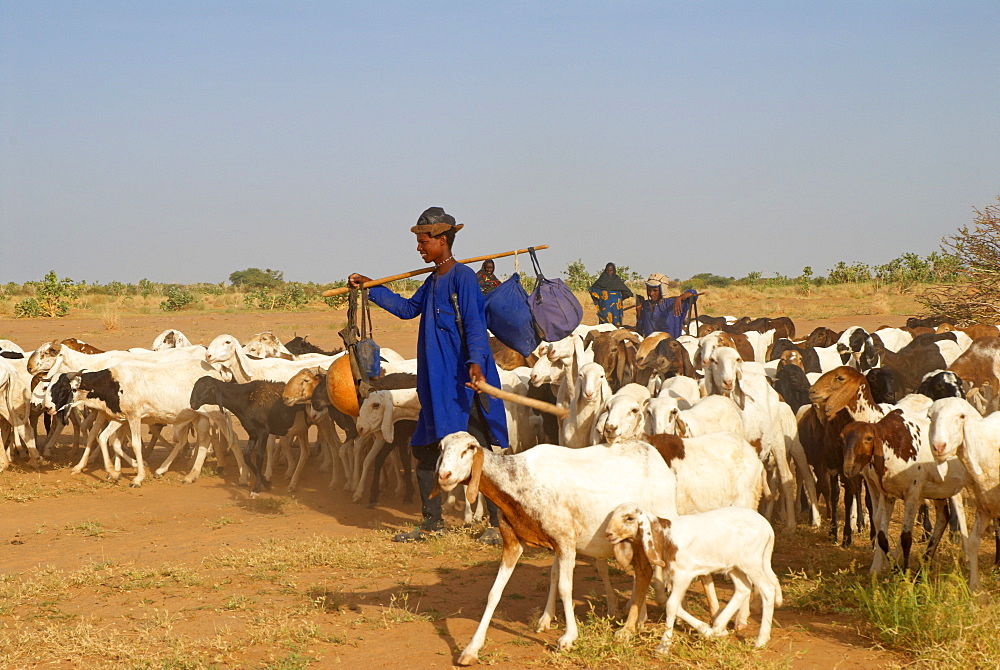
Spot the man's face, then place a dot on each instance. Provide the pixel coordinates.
(489, 267)
(431, 249)
(653, 292)
(610, 270)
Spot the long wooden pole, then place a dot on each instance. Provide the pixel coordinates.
(414, 273)
(534, 403)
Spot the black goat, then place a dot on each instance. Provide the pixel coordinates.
(301, 345)
(793, 385)
(259, 408)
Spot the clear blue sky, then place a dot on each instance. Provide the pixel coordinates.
(181, 141)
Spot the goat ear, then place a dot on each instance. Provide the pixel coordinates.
(649, 543)
(681, 427)
(436, 489)
(472, 490)
(597, 433)
(388, 427)
(623, 553)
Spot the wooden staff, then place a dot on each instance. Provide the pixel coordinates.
(534, 403)
(413, 273)
(634, 305)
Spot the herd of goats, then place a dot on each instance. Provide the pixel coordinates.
(674, 456)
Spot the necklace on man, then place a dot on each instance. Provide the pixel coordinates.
(437, 265)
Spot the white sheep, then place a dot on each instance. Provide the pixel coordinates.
(682, 388)
(555, 498)
(768, 423)
(734, 541)
(711, 414)
(590, 398)
(958, 431)
(623, 418)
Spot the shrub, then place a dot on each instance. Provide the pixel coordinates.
(53, 297)
(27, 308)
(177, 298)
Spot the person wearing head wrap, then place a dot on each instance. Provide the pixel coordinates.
(660, 314)
(487, 280)
(446, 364)
(608, 294)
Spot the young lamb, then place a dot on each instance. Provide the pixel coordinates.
(555, 498)
(732, 540)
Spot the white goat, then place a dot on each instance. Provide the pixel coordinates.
(712, 414)
(623, 417)
(590, 398)
(958, 431)
(556, 498)
(734, 541)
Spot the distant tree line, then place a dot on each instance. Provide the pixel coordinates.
(267, 289)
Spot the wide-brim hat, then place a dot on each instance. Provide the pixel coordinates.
(435, 221)
(657, 279)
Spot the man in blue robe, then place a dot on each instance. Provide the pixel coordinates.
(659, 314)
(446, 362)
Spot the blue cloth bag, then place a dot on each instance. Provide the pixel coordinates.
(509, 318)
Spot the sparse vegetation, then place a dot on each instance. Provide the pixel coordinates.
(976, 261)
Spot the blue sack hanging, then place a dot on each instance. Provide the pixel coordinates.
(509, 318)
(554, 307)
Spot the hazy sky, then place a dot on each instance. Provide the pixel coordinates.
(181, 141)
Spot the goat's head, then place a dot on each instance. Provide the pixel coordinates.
(948, 417)
(630, 528)
(624, 416)
(726, 369)
(221, 349)
(791, 357)
(461, 460)
(838, 389)
(592, 385)
(663, 417)
(301, 386)
(42, 359)
(941, 384)
(375, 414)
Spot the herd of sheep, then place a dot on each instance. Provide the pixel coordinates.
(674, 456)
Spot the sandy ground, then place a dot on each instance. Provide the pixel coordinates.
(166, 522)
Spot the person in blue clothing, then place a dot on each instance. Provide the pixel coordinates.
(659, 314)
(448, 361)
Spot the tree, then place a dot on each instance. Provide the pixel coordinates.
(257, 278)
(975, 297)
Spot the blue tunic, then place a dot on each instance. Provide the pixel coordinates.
(659, 316)
(442, 359)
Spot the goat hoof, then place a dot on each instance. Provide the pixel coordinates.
(372, 505)
(624, 634)
(544, 623)
(565, 643)
(254, 495)
(663, 648)
(135, 485)
(267, 484)
(468, 659)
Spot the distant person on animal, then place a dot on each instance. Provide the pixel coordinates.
(659, 314)
(608, 294)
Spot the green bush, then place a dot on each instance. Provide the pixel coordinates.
(53, 297)
(177, 298)
(27, 308)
